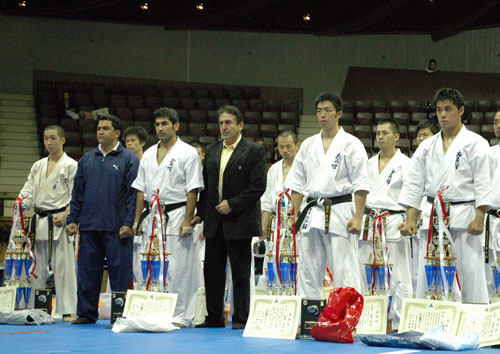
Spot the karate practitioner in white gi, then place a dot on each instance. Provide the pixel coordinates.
(456, 159)
(174, 167)
(276, 183)
(48, 191)
(425, 130)
(328, 169)
(386, 172)
(494, 212)
(135, 138)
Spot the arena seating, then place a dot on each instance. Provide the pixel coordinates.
(134, 104)
(409, 114)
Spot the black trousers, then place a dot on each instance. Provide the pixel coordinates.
(217, 249)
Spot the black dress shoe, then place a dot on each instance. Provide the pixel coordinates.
(238, 326)
(208, 324)
(82, 320)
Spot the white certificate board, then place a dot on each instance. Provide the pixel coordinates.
(273, 317)
(422, 315)
(144, 303)
(7, 298)
(374, 316)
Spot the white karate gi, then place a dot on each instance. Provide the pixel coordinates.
(384, 192)
(52, 193)
(494, 241)
(178, 173)
(465, 170)
(343, 169)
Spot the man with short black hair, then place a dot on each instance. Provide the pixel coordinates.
(328, 170)
(173, 168)
(455, 163)
(102, 208)
(234, 171)
(48, 191)
(200, 149)
(426, 129)
(135, 139)
(386, 171)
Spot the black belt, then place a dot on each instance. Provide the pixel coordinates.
(45, 213)
(368, 212)
(431, 200)
(326, 203)
(166, 209)
(494, 213)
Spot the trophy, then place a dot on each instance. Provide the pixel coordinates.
(153, 253)
(440, 275)
(378, 270)
(18, 257)
(281, 257)
(495, 268)
(496, 279)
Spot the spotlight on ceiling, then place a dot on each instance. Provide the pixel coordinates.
(21, 3)
(200, 7)
(144, 6)
(307, 17)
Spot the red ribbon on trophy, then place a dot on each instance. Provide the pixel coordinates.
(443, 228)
(378, 219)
(155, 206)
(277, 253)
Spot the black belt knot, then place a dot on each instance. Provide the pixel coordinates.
(326, 202)
(431, 200)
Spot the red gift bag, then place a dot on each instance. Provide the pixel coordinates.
(340, 316)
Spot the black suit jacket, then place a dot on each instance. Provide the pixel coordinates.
(244, 183)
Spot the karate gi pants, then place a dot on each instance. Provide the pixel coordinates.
(184, 270)
(318, 250)
(401, 285)
(470, 267)
(94, 246)
(63, 266)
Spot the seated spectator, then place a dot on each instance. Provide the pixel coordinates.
(67, 107)
(432, 67)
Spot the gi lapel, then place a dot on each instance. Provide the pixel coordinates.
(448, 163)
(334, 158)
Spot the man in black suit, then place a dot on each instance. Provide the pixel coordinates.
(234, 172)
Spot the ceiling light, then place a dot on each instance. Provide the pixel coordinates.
(200, 7)
(307, 17)
(22, 3)
(144, 6)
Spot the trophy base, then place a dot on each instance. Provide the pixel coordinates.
(389, 326)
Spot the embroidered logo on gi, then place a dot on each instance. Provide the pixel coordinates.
(116, 167)
(390, 176)
(171, 164)
(457, 160)
(55, 186)
(336, 163)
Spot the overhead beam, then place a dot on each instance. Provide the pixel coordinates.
(65, 9)
(230, 14)
(453, 29)
(360, 23)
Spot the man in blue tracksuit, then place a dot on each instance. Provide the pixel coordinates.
(103, 204)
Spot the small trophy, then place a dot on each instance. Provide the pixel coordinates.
(378, 273)
(152, 254)
(433, 268)
(282, 253)
(19, 257)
